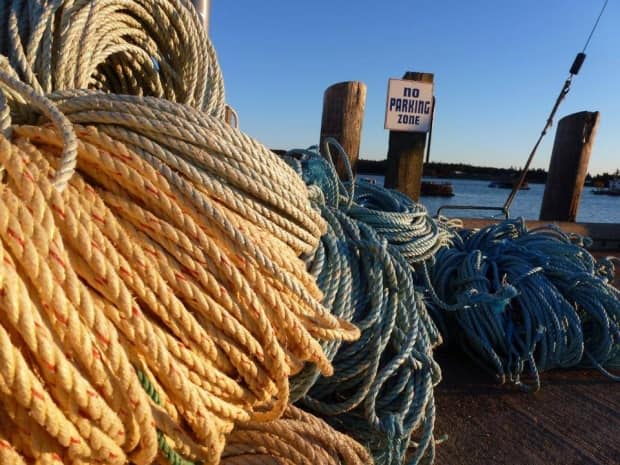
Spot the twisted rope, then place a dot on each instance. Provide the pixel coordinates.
(403, 222)
(297, 438)
(153, 292)
(186, 145)
(142, 47)
(156, 284)
(520, 302)
(382, 389)
(27, 94)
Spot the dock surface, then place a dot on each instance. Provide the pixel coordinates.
(573, 420)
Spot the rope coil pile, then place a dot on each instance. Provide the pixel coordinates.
(105, 270)
(154, 305)
(170, 261)
(381, 392)
(154, 298)
(403, 222)
(144, 47)
(298, 438)
(522, 301)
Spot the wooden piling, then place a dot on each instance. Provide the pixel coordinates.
(343, 115)
(405, 158)
(568, 168)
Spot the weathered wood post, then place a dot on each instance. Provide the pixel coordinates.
(343, 114)
(568, 168)
(231, 116)
(405, 158)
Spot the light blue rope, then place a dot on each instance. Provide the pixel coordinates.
(517, 302)
(521, 301)
(404, 223)
(331, 266)
(382, 388)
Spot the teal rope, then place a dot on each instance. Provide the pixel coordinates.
(332, 268)
(520, 302)
(173, 457)
(403, 222)
(382, 388)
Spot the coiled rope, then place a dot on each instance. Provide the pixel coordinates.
(298, 438)
(23, 94)
(154, 297)
(136, 265)
(381, 392)
(522, 301)
(235, 169)
(403, 222)
(142, 47)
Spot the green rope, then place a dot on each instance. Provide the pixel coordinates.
(173, 457)
(170, 455)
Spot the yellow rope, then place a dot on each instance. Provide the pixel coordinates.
(298, 438)
(152, 300)
(119, 271)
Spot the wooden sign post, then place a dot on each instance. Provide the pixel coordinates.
(405, 158)
(568, 168)
(343, 114)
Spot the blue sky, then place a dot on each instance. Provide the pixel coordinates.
(498, 67)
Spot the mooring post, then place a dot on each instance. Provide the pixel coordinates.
(568, 168)
(405, 160)
(343, 114)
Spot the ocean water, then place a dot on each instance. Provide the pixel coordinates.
(592, 208)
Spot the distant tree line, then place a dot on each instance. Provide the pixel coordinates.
(465, 171)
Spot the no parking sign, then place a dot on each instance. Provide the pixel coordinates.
(409, 105)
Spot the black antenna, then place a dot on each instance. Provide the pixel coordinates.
(574, 70)
(594, 27)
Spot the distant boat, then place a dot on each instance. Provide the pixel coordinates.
(612, 189)
(508, 184)
(436, 189)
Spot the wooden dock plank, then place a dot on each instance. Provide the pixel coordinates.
(573, 420)
(606, 236)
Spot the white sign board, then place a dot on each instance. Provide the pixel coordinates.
(409, 106)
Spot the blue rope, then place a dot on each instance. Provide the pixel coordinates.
(404, 223)
(517, 301)
(382, 388)
(520, 302)
(331, 265)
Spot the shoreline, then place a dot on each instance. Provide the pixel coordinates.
(469, 177)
